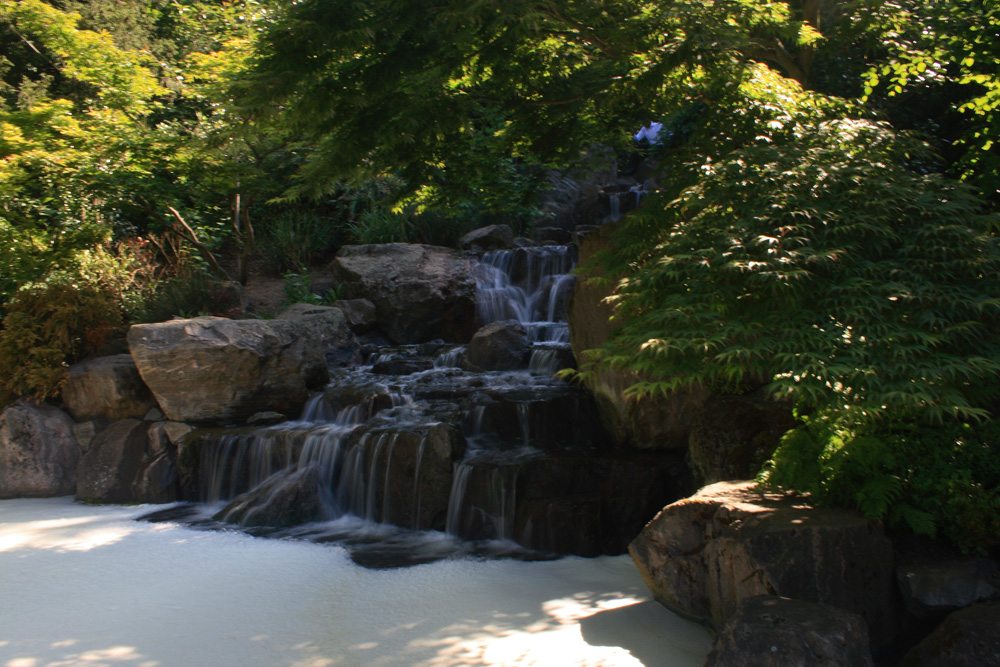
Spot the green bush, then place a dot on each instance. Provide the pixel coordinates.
(381, 225)
(939, 482)
(294, 240)
(46, 329)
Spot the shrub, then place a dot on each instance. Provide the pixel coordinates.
(294, 240)
(46, 329)
(939, 482)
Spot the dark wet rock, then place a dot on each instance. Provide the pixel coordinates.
(498, 346)
(733, 436)
(288, 498)
(771, 631)
(492, 237)
(932, 588)
(420, 292)
(966, 638)
(702, 555)
(582, 503)
(658, 422)
(212, 369)
(553, 235)
(402, 366)
(38, 451)
(124, 465)
(327, 327)
(108, 388)
(266, 418)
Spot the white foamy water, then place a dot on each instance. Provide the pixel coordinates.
(87, 586)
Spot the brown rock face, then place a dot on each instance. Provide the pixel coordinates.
(38, 453)
(212, 369)
(127, 463)
(420, 292)
(770, 631)
(663, 422)
(493, 237)
(108, 388)
(702, 555)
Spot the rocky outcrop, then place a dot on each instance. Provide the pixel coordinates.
(967, 638)
(492, 237)
(702, 555)
(212, 369)
(107, 388)
(770, 631)
(498, 346)
(125, 465)
(327, 327)
(38, 453)
(420, 292)
(661, 422)
(733, 436)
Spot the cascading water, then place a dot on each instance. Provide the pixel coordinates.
(384, 455)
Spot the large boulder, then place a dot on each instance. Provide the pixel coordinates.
(328, 327)
(657, 422)
(420, 292)
(934, 587)
(108, 388)
(498, 346)
(212, 369)
(967, 638)
(38, 453)
(702, 555)
(770, 631)
(360, 314)
(126, 465)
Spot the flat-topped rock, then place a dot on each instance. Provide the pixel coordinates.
(213, 369)
(420, 292)
(703, 555)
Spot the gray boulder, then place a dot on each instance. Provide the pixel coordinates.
(327, 327)
(38, 452)
(212, 369)
(702, 555)
(967, 638)
(498, 346)
(492, 237)
(420, 292)
(125, 465)
(108, 388)
(360, 314)
(770, 631)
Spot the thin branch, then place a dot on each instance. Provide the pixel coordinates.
(202, 248)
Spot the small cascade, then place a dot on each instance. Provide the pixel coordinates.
(411, 442)
(615, 204)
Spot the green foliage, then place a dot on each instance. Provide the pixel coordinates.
(47, 328)
(811, 258)
(298, 289)
(381, 225)
(294, 239)
(935, 481)
(189, 295)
